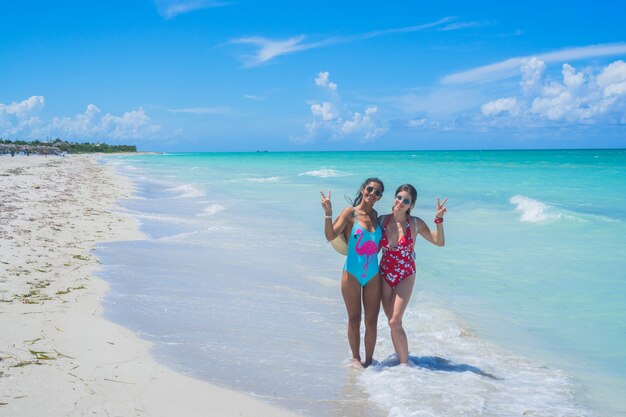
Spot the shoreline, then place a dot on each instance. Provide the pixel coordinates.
(192, 179)
(58, 355)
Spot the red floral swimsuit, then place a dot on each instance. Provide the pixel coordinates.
(397, 262)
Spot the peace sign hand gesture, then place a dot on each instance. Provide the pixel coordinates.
(328, 208)
(441, 210)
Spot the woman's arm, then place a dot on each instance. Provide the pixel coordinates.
(333, 229)
(437, 237)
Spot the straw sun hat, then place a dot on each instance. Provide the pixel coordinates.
(340, 245)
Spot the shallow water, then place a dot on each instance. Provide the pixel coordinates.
(522, 312)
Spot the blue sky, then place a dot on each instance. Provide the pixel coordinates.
(200, 75)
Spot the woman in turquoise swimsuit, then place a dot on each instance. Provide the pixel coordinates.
(359, 280)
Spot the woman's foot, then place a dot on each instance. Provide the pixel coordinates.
(370, 362)
(409, 364)
(356, 364)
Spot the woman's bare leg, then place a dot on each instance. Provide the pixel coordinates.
(400, 301)
(387, 297)
(371, 302)
(351, 291)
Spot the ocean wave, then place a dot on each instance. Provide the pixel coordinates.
(131, 168)
(255, 179)
(210, 236)
(532, 210)
(195, 237)
(268, 179)
(187, 191)
(455, 373)
(212, 210)
(325, 173)
(164, 218)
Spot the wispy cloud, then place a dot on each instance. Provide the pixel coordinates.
(268, 49)
(202, 110)
(510, 67)
(253, 97)
(465, 25)
(172, 8)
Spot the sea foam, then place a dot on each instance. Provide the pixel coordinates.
(188, 191)
(325, 173)
(532, 210)
(454, 373)
(212, 210)
(268, 179)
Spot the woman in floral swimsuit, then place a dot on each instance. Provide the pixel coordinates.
(397, 266)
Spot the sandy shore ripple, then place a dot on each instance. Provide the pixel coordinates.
(58, 356)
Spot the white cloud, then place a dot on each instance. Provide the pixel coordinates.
(532, 70)
(365, 125)
(613, 79)
(567, 100)
(333, 121)
(20, 120)
(422, 123)
(615, 90)
(417, 123)
(571, 78)
(613, 73)
(325, 111)
(81, 125)
(588, 96)
(501, 105)
(323, 81)
(510, 67)
(172, 8)
(23, 108)
(19, 117)
(268, 49)
(134, 124)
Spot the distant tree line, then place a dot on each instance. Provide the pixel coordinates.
(60, 146)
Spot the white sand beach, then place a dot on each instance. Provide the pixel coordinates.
(58, 355)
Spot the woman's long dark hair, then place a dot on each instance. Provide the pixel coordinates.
(412, 191)
(359, 196)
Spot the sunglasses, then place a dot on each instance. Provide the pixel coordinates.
(377, 192)
(403, 200)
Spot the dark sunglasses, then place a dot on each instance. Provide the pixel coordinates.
(403, 200)
(369, 189)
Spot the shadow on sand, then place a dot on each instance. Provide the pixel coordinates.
(435, 363)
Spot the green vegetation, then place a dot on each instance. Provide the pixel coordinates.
(71, 147)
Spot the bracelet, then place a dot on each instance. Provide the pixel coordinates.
(328, 217)
(438, 220)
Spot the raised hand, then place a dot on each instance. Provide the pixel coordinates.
(326, 205)
(441, 209)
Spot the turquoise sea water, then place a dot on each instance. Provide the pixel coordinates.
(522, 313)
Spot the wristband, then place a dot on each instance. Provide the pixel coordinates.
(328, 217)
(438, 220)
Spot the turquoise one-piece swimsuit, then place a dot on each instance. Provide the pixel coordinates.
(362, 259)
